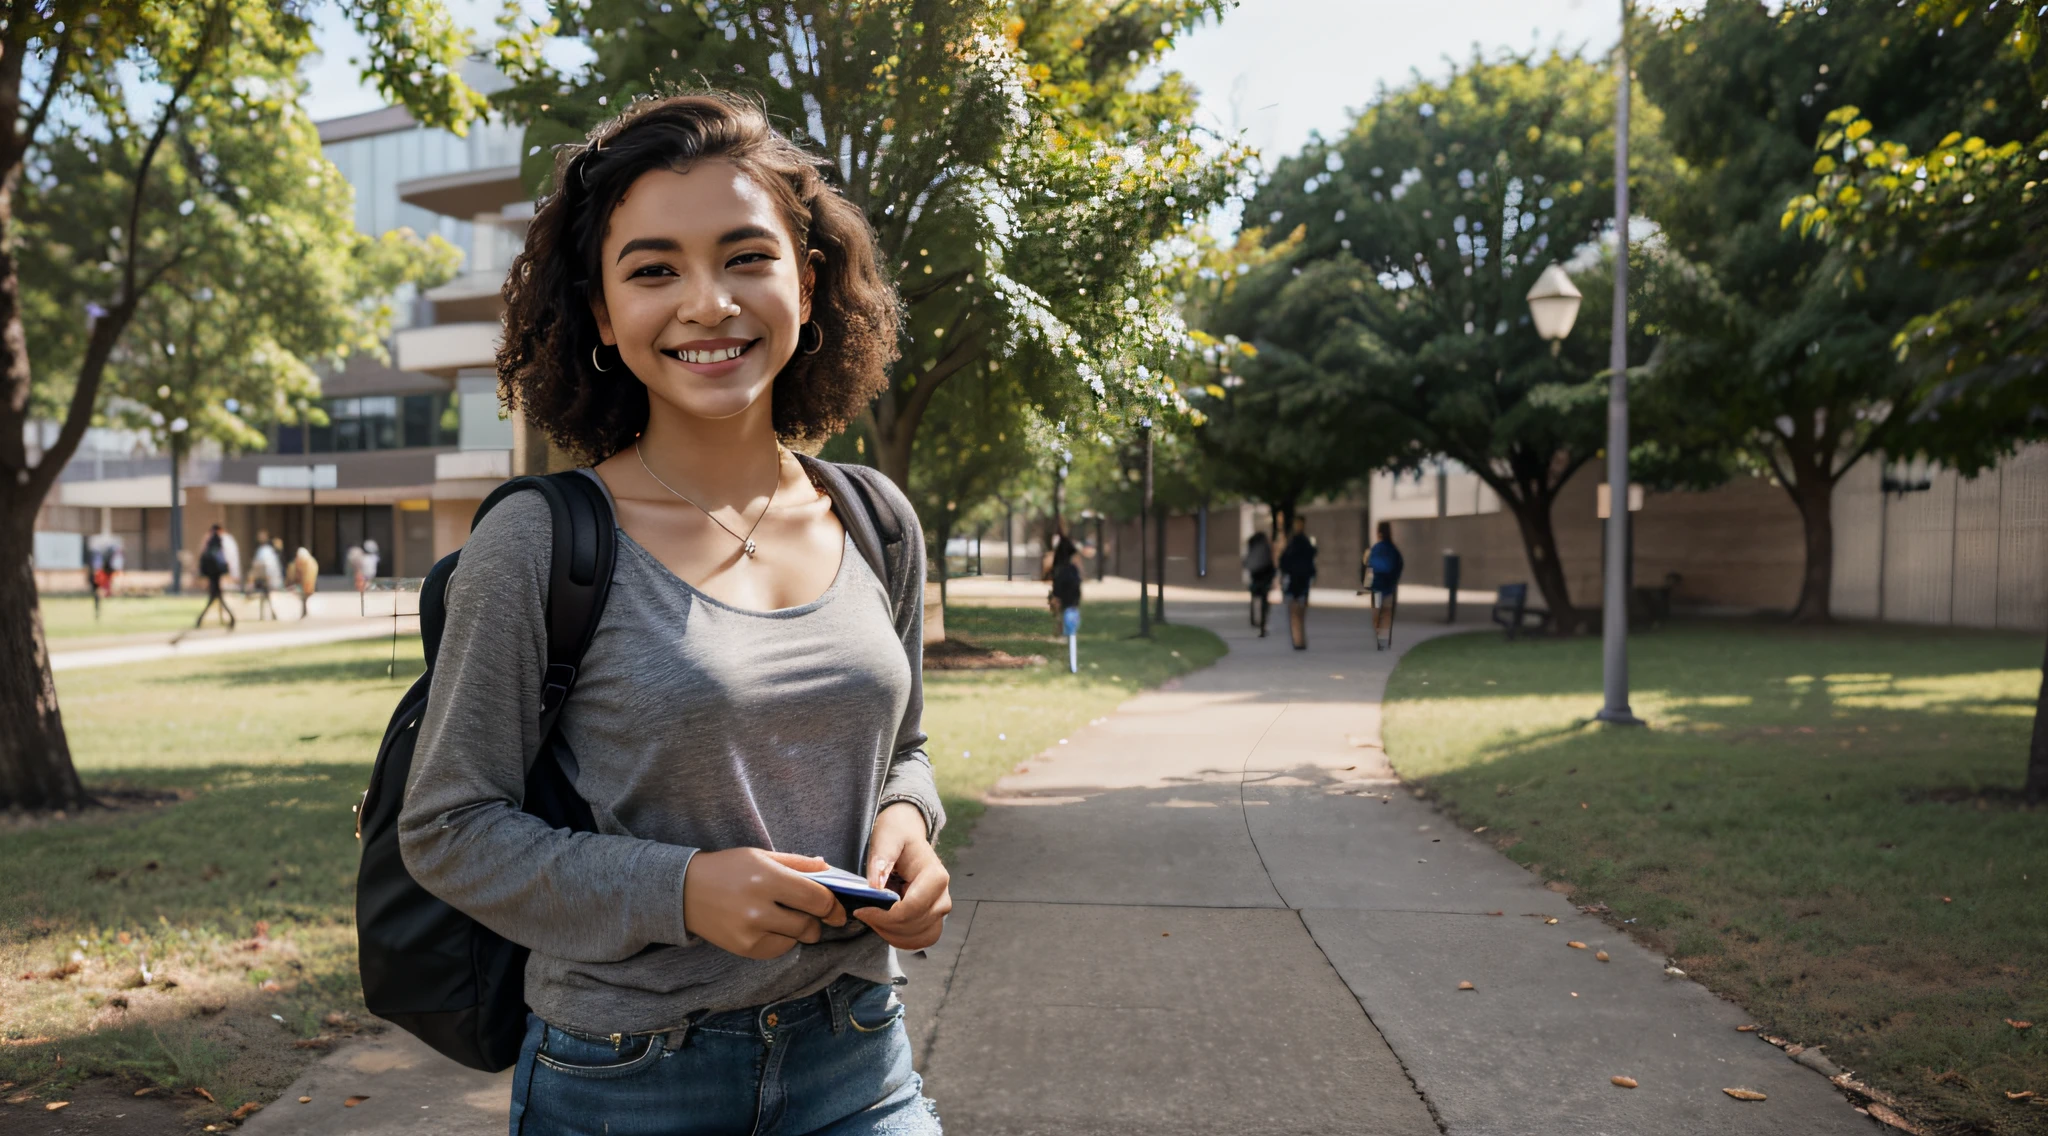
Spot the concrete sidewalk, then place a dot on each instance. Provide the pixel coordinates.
(1216, 911)
(332, 619)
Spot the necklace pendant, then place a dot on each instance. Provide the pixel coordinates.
(749, 548)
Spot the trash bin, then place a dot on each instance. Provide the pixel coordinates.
(1451, 585)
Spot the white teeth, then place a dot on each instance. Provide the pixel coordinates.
(710, 356)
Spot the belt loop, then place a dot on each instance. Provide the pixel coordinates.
(836, 1005)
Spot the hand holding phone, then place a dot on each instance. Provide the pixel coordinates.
(854, 892)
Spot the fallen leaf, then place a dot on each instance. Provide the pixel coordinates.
(1777, 1041)
(2019, 1025)
(6, 1085)
(207, 1095)
(243, 1112)
(1496, 913)
(1745, 1094)
(2023, 1094)
(1466, 986)
(1582, 804)
(1794, 1050)
(1751, 1028)
(353, 1101)
(321, 1042)
(1624, 1082)
(1887, 1116)
(271, 986)
(1601, 955)
(1576, 945)
(1480, 829)
(1551, 922)
(55, 1105)
(305, 1100)
(20, 1098)
(145, 1092)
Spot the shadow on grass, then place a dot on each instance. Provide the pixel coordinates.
(1818, 823)
(158, 939)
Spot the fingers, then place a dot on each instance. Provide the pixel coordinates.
(797, 863)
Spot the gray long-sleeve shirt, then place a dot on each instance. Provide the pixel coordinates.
(696, 726)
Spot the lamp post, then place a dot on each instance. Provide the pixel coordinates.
(1144, 512)
(1553, 307)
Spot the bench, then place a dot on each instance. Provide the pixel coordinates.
(1511, 610)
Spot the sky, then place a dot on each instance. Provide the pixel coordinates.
(1277, 69)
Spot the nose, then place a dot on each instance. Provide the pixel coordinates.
(705, 302)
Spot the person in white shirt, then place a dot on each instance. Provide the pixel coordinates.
(266, 572)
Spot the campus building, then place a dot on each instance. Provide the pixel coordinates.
(1912, 543)
(411, 446)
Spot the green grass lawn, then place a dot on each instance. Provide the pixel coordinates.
(1820, 824)
(268, 752)
(71, 617)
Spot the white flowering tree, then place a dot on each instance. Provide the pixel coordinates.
(156, 169)
(1019, 180)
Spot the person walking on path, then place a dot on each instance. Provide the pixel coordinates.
(1258, 576)
(1297, 572)
(367, 565)
(305, 573)
(1384, 561)
(1066, 600)
(265, 572)
(694, 294)
(213, 565)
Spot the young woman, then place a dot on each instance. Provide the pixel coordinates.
(1258, 577)
(1065, 599)
(1297, 572)
(1385, 562)
(692, 296)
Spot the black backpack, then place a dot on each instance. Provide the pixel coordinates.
(426, 966)
(212, 562)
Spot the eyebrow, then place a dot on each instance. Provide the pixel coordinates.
(665, 244)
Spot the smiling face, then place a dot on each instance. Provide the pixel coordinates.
(704, 290)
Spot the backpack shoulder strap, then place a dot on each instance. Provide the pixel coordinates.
(580, 563)
(867, 510)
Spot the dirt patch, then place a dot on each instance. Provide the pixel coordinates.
(960, 655)
(105, 1106)
(109, 802)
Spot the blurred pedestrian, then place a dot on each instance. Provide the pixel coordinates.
(92, 577)
(1384, 561)
(266, 572)
(305, 572)
(367, 567)
(231, 555)
(1066, 600)
(1258, 576)
(213, 565)
(1297, 572)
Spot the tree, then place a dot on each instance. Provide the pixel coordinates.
(1016, 177)
(1425, 226)
(1974, 212)
(1778, 350)
(158, 92)
(977, 440)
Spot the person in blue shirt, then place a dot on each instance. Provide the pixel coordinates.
(1385, 563)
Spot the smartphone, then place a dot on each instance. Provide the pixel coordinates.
(853, 891)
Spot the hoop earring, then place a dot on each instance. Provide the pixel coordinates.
(593, 359)
(815, 347)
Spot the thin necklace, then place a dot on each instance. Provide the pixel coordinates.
(746, 542)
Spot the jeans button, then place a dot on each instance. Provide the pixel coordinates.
(772, 1019)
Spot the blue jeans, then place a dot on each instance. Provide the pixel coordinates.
(1070, 621)
(836, 1063)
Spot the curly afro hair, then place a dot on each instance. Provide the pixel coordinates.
(544, 361)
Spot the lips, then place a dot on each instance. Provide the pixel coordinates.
(710, 351)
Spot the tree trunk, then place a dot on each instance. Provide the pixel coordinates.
(944, 533)
(35, 759)
(1815, 498)
(892, 454)
(1539, 542)
(2037, 751)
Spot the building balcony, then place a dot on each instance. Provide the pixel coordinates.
(447, 348)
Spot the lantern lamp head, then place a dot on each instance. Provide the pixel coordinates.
(1554, 304)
